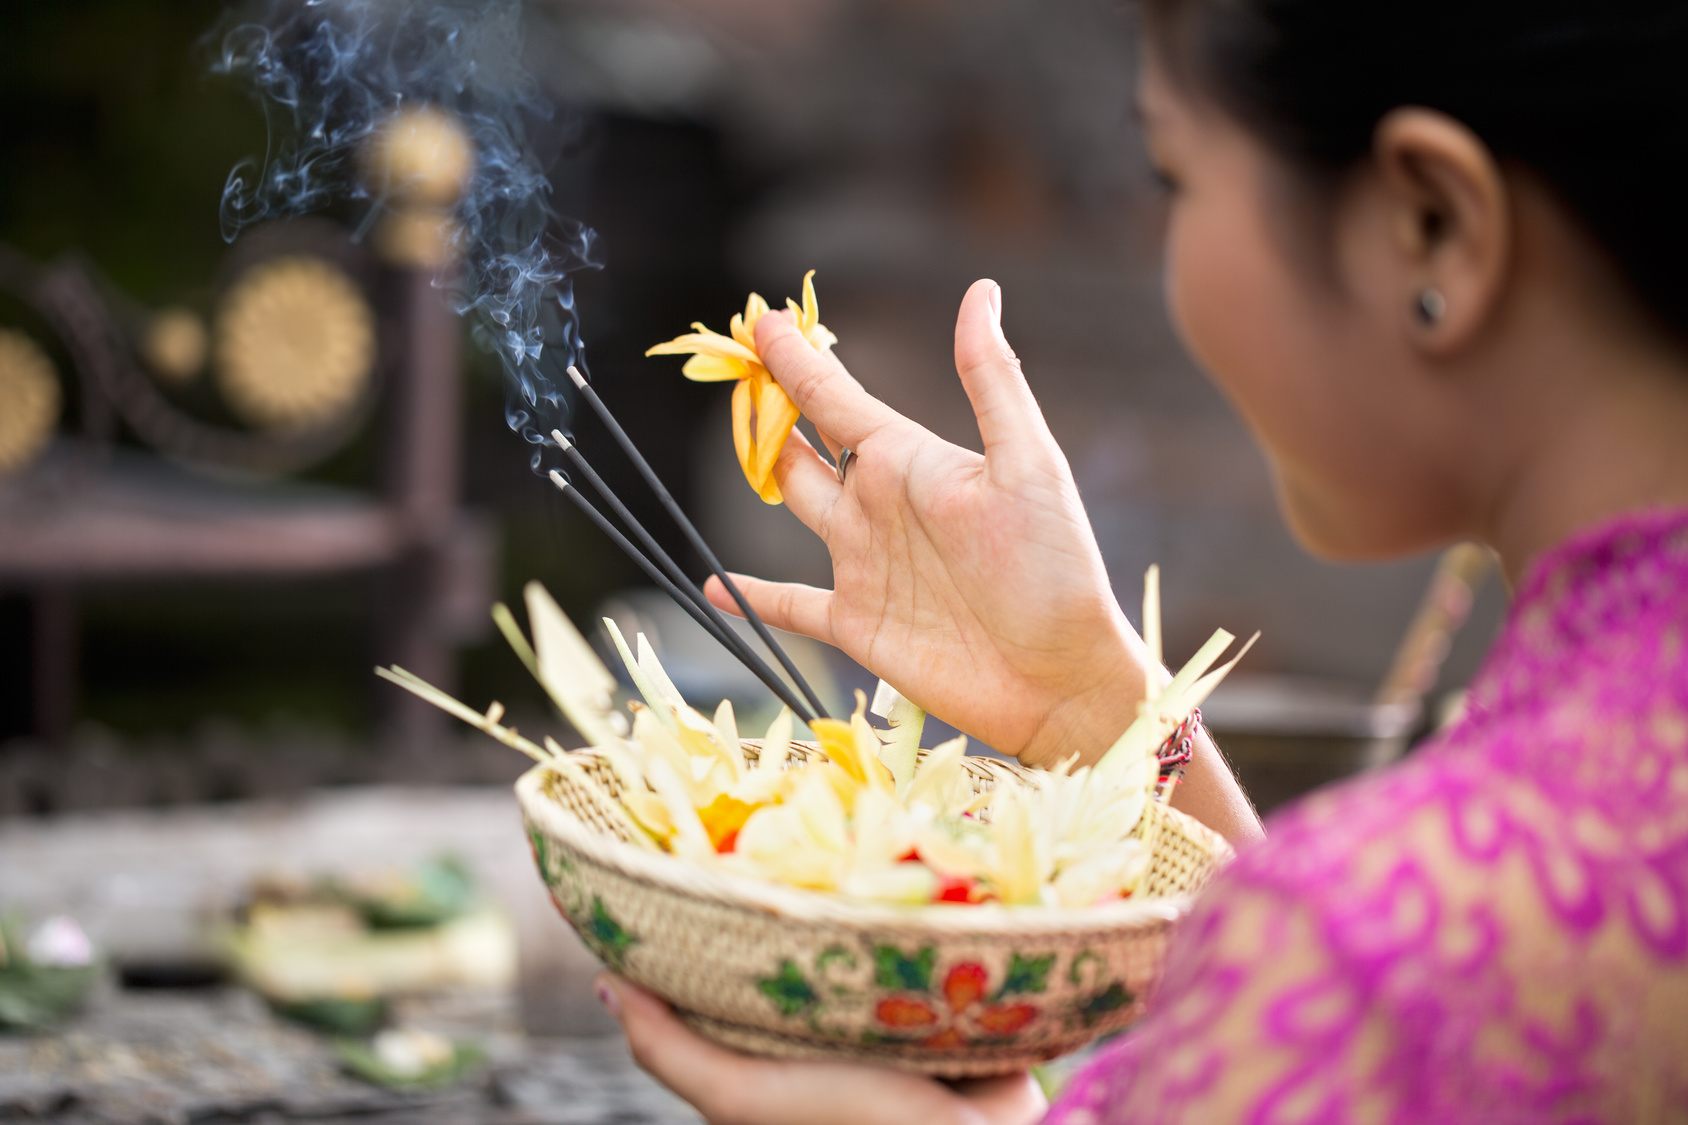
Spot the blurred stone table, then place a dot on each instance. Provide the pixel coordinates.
(145, 883)
(217, 1055)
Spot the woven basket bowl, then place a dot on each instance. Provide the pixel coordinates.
(949, 990)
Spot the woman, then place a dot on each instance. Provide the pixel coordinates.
(1434, 254)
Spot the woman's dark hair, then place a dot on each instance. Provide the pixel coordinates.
(1592, 95)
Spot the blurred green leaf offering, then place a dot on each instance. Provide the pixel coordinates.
(45, 976)
(427, 895)
(336, 1015)
(408, 1059)
(330, 952)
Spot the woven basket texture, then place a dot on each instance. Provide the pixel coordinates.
(948, 990)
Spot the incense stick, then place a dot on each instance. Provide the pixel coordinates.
(724, 631)
(749, 659)
(692, 536)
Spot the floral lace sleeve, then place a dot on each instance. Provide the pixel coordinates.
(1494, 931)
(1256, 1022)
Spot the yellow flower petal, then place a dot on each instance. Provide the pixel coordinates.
(838, 743)
(742, 434)
(726, 729)
(714, 369)
(705, 342)
(809, 317)
(811, 305)
(854, 747)
(804, 841)
(762, 412)
(723, 818)
(940, 782)
(775, 415)
(820, 338)
(744, 327)
(867, 745)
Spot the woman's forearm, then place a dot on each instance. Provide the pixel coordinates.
(1211, 793)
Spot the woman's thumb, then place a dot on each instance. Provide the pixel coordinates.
(1008, 415)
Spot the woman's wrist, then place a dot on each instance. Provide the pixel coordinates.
(1089, 716)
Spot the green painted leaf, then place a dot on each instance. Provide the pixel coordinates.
(839, 958)
(1090, 959)
(1027, 974)
(1097, 1005)
(789, 991)
(893, 969)
(834, 954)
(607, 936)
(540, 857)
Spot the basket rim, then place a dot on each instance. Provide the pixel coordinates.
(674, 875)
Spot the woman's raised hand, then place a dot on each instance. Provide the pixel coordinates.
(972, 584)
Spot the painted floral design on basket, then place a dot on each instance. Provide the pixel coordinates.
(1101, 998)
(789, 990)
(963, 1010)
(597, 927)
(603, 935)
(913, 1003)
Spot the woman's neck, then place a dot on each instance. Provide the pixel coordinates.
(1619, 446)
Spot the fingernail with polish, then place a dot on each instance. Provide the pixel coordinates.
(608, 998)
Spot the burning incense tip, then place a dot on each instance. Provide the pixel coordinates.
(557, 479)
(563, 443)
(574, 373)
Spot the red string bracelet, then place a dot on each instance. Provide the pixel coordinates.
(1180, 745)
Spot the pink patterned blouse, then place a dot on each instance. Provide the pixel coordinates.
(1494, 931)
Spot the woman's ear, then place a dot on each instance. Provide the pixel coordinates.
(1452, 223)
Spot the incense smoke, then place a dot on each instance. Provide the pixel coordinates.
(328, 73)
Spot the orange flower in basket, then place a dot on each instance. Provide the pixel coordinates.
(722, 819)
(762, 413)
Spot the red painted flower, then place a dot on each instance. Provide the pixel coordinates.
(900, 1012)
(1003, 1020)
(964, 988)
(949, 1039)
(965, 985)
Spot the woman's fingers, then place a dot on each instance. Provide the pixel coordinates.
(826, 393)
(1005, 1099)
(691, 1066)
(732, 1089)
(833, 445)
(810, 485)
(1010, 422)
(791, 606)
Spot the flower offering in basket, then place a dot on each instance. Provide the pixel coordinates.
(855, 896)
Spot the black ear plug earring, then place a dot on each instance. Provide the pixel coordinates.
(1430, 306)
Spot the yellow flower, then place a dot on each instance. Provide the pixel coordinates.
(853, 750)
(804, 841)
(762, 413)
(722, 818)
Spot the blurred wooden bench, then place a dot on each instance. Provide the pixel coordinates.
(90, 511)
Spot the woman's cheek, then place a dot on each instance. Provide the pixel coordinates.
(1225, 305)
(1233, 308)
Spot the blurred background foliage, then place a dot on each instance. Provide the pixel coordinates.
(115, 142)
(901, 147)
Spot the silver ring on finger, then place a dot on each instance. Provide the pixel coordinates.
(845, 458)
